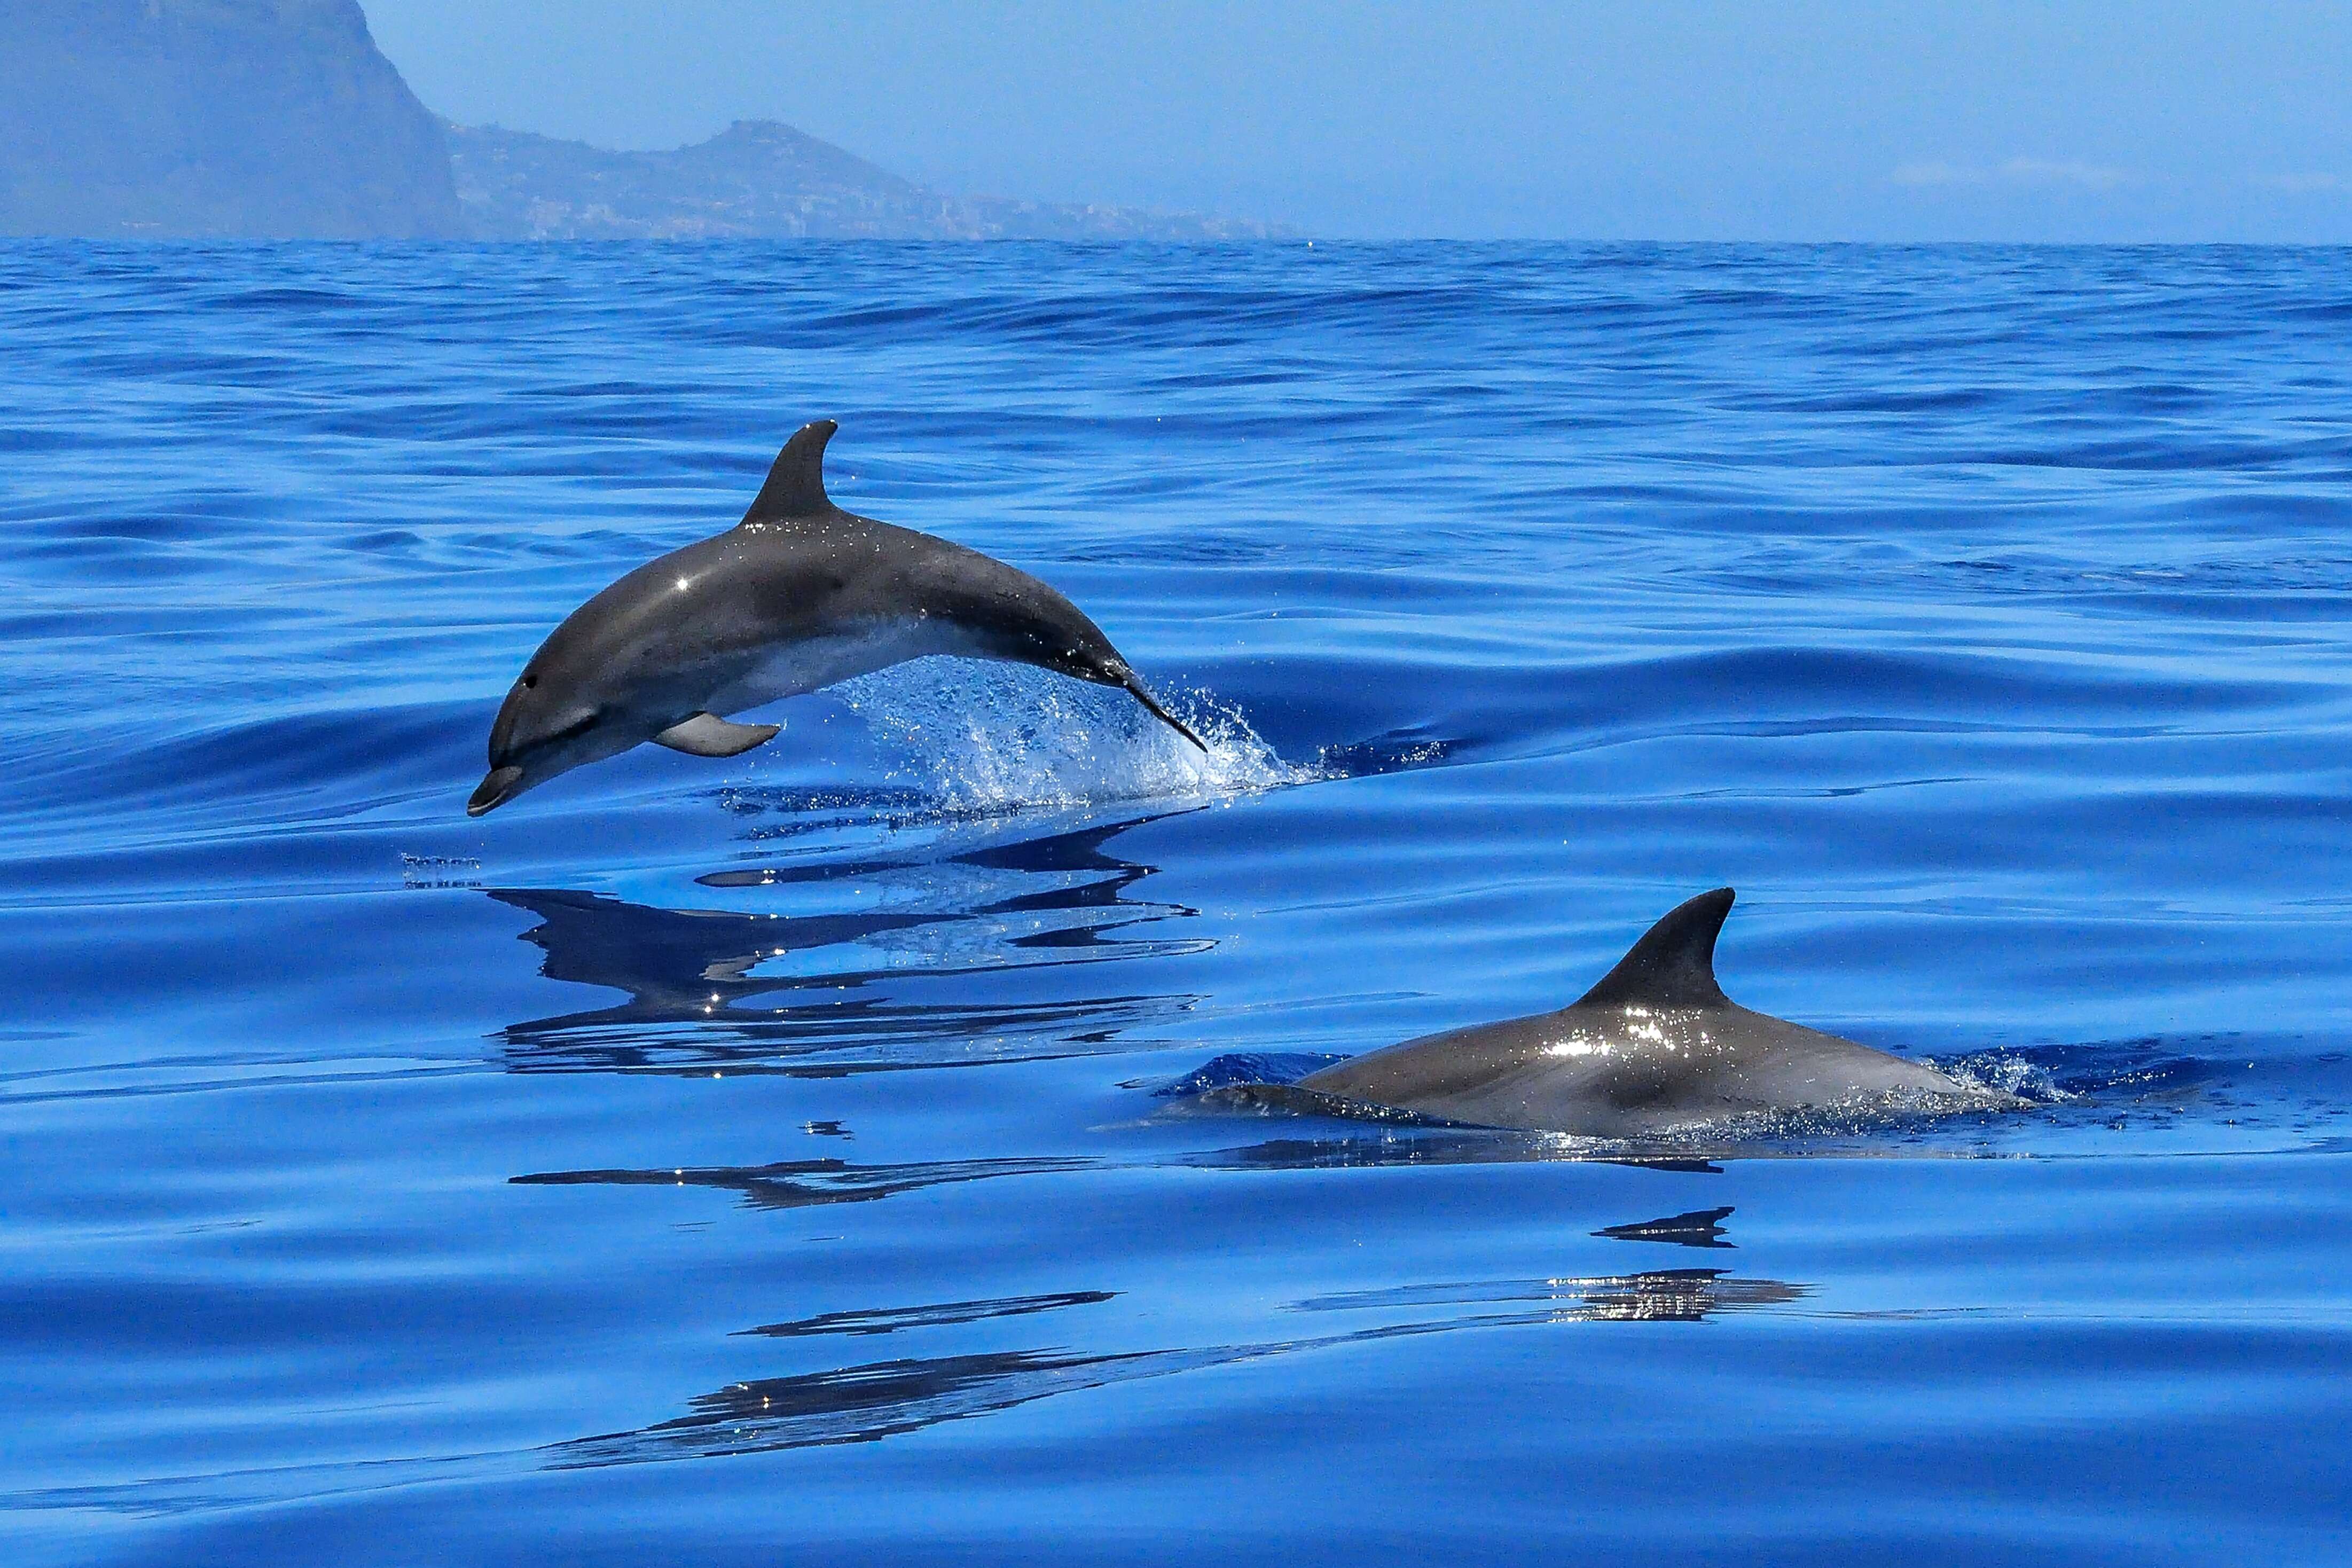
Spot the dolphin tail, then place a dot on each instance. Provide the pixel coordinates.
(1152, 705)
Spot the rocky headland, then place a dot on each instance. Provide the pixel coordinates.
(236, 119)
(281, 119)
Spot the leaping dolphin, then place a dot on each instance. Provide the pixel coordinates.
(1656, 1046)
(798, 595)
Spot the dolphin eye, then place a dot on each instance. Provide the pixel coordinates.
(531, 682)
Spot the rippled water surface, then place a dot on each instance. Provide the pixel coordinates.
(760, 1161)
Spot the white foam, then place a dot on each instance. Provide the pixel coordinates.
(2006, 1073)
(984, 736)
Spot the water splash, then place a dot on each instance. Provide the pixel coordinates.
(1245, 1069)
(980, 736)
(2009, 1072)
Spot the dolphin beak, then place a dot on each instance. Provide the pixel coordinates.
(1152, 704)
(495, 785)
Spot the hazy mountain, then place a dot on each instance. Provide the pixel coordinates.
(756, 178)
(267, 119)
(243, 118)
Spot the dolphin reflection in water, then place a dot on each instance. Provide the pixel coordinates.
(876, 1400)
(1655, 1047)
(799, 595)
(960, 963)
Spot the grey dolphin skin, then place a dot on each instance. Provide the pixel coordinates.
(1655, 1046)
(798, 595)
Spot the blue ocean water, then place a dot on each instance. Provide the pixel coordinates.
(761, 1161)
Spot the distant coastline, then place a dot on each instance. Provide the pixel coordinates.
(760, 178)
(281, 119)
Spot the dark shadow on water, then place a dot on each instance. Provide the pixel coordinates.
(877, 1400)
(807, 1183)
(961, 966)
(867, 1403)
(891, 1320)
(1702, 1228)
(872, 1401)
(804, 1184)
(1661, 1295)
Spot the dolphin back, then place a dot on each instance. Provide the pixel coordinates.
(1655, 1046)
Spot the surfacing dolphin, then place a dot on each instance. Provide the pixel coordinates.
(798, 595)
(1655, 1047)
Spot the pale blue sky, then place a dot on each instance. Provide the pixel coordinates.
(1618, 119)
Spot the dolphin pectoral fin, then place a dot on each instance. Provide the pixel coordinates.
(709, 735)
(1152, 705)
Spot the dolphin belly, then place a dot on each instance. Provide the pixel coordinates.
(802, 665)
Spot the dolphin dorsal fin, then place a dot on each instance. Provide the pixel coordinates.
(1674, 964)
(795, 486)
